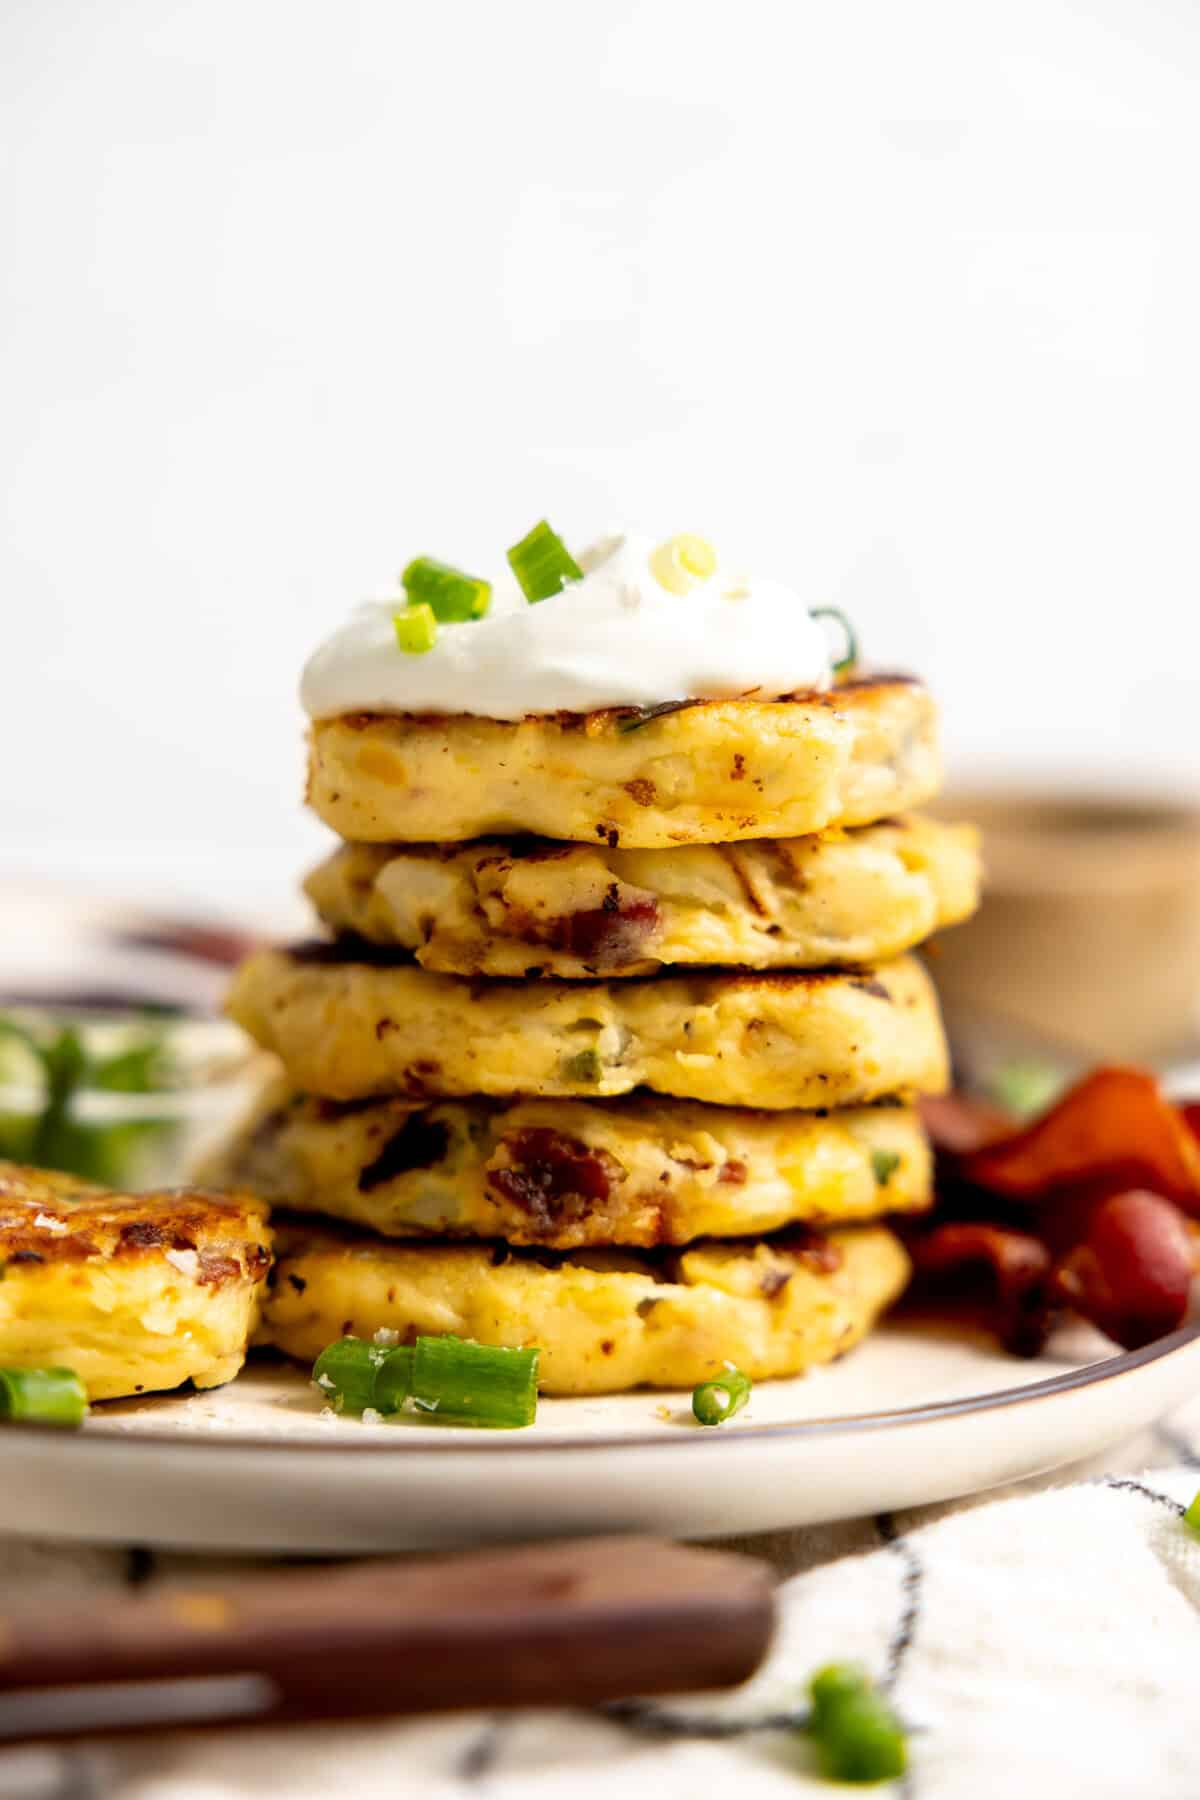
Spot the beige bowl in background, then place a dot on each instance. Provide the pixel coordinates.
(1089, 933)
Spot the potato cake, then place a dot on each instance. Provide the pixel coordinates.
(134, 1292)
(605, 1320)
(710, 771)
(532, 908)
(567, 1173)
(349, 1021)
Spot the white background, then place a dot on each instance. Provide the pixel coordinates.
(899, 301)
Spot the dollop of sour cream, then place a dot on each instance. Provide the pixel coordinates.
(618, 637)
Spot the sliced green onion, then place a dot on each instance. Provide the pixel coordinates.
(354, 1376)
(1191, 1517)
(393, 1377)
(344, 1374)
(884, 1164)
(416, 630)
(585, 1065)
(453, 596)
(830, 1686)
(43, 1397)
(858, 1736)
(472, 1384)
(645, 715)
(683, 562)
(717, 1400)
(542, 563)
(849, 654)
(475, 1384)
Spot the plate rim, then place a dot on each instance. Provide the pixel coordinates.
(1066, 1381)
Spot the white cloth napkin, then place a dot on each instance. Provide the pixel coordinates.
(1044, 1642)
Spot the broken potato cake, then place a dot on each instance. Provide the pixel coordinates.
(135, 1292)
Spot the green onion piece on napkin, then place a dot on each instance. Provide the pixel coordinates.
(452, 596)
(1191, 1517)
(542, 563)
(717, 1400)
(43, 1397)
(858, 1737)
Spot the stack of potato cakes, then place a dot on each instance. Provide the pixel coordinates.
(638, 1089)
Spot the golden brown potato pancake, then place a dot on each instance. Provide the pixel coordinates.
(567, 1173)
(712, 772)
(135, 1292)
(348, 1022)
(574, 911)
(605, 1320)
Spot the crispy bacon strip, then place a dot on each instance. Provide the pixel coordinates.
(1083, 1208)
(1190, 1113)
(1012, 1267)
(1116, 1125)
(1131, 1274)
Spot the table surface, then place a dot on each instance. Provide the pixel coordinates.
(1035, 1641)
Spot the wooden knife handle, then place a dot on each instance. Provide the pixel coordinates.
(563, 1623)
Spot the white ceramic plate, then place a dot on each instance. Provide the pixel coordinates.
(910, 1417)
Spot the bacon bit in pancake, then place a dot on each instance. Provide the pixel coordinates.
(419, 1144)
(812, 1247)
(641, 791)
(144, 1234)
(549, 1175)
(607, 936)
(216, 1269)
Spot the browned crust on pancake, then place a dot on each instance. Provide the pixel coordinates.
(46, 1218)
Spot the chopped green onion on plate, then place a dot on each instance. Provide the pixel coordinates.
(717, 1400)
(43, 1397)
(449, 1377)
